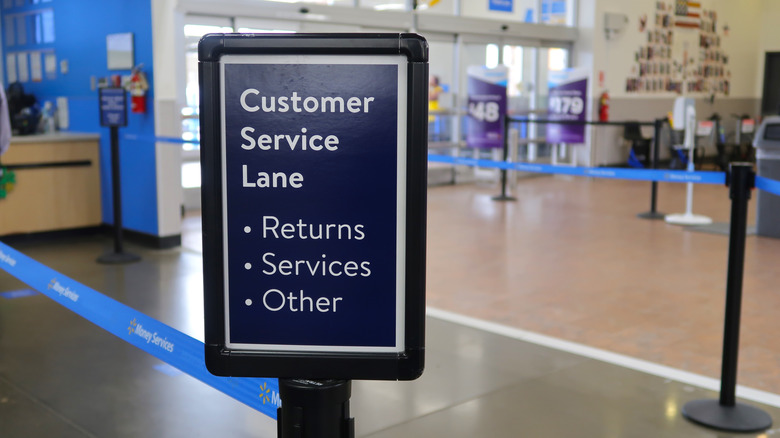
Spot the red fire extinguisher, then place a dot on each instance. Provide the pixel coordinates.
(604, 107)
(137, 86)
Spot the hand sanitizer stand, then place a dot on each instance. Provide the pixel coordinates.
(685, 115)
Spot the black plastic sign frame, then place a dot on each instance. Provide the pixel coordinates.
(314, 176)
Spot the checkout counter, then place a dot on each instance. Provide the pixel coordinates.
(57, 183)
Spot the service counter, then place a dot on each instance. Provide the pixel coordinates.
(57, 183)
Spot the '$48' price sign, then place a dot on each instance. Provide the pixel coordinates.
(484, 111)
(564, 105)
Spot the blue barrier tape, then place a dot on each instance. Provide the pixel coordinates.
(679, 176)
(150, 335)
(159, 139)
(768, 185)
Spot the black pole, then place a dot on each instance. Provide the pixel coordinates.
(116, 189)
(314, 409)
(118, 256)
(742, 180)
(503, 196)
(725, 413)
(653, 214)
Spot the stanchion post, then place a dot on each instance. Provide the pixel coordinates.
(315, 409)
(118, 256)
(116, 190)
(503, 196)
(113, 114)
(653, 214)
(725, 413)
(742, 180)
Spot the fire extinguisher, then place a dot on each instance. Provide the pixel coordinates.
(604, 107)
(137, 86)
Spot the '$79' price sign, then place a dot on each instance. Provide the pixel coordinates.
(564, 105)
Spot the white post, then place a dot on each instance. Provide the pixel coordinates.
(688, 218)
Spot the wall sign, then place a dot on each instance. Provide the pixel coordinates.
(120, 51)
(500, 5)
(314, 163)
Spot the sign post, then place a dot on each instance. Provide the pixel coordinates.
(487, 110)
(314, 161)
(113, 113)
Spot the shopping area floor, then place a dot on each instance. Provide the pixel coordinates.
(560, 314)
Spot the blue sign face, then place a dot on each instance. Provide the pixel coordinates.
(113, 107)
(312, 162)
(500, 5)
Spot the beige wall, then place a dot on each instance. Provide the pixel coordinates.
(754, 27)
(615, 56)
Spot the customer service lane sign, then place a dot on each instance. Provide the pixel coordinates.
(313, 190)
(313, 158)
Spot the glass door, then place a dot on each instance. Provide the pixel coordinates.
(194, 28)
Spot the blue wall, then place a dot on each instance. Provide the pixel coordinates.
(81, 27)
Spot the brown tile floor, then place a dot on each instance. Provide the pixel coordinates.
(570, 259)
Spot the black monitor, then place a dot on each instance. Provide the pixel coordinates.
(772, 132)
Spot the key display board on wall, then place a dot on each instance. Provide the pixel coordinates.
(682, 51)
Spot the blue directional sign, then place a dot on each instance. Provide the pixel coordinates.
(113, 107)
(500, 5)
(316, 157)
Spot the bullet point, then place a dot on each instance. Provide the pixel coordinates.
(247, 229)
(247, 266)
(248, 302)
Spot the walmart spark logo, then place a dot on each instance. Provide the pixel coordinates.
(131, 327)
(264, 391)
(269, 396)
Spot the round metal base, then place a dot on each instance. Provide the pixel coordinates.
(738, 418)
(118, 258)
(687, 219)
(654, 215)
(504, 198)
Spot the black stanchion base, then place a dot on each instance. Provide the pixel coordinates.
(738, 418)
(118, 258)
(504, 198)
(654, 215)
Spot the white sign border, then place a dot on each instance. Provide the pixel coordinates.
(402, 62)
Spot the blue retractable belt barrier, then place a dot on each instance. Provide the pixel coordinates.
(150, 138)
(680, 176)
(768, 185)
(148, 334)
